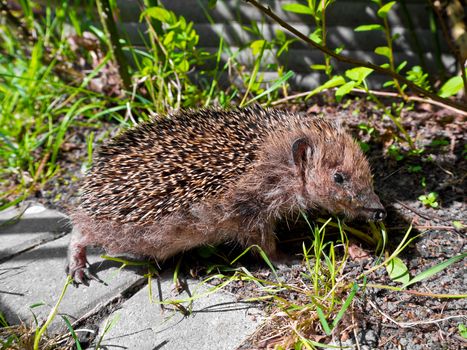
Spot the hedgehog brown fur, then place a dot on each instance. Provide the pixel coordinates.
(211, 176)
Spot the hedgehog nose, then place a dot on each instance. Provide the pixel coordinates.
(379, 214)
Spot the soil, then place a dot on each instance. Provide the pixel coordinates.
(378, 319)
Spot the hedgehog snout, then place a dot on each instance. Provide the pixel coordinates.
(372, 207)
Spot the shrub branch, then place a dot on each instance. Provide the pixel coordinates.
(342, 58)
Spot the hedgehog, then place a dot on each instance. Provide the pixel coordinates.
(212, 176)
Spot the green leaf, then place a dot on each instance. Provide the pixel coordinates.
(280, 35)
(278, 83)
(298, 8)
(383, 11)
(212, 4)
(398, 271)
(322, 320)
(344, 90)
(462, 330)
(158, 13)
(368, 27)
(364, 146)
(434, 270)
(339, 49)
(73, 334)
(458, 225)
(401, 66)
(336, 80)
(257, 46)
(36, 305)
(317, 36)
(169, 38)
(451, 87)
(383, 51)
(358, 74)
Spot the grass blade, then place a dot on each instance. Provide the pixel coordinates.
(346, 305)
(72, 331)
(273, 87)
(322, 320)
(434, 270)
(52, 315)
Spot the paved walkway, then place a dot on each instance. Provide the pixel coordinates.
(32, 260)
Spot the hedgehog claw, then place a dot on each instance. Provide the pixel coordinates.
(82, 275)
(79, 275)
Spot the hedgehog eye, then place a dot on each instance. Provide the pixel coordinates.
(338, 178)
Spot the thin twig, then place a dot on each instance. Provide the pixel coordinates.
(391, 174)
(411, 98)
(268, 12)
(415, 323)
(424, 227)
(377, 93)
(425, 216)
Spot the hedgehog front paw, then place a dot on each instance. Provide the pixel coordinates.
(80, 275)
(284, 261)
(79, 272)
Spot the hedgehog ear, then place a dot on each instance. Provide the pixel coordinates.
(301, 152)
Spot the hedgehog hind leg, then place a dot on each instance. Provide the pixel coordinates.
(264, 236)
(77, 264)
(267, 241)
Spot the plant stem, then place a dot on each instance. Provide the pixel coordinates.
(111, 32)
(387, 32)
(52, 315)
(327, 58)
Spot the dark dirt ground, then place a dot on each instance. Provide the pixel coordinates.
(380, 319)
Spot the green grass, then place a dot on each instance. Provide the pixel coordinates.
(305, 310)
(38, 111)
(312, 305)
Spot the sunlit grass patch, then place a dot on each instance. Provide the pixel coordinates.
(41, 103)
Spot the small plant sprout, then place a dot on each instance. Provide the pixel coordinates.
(458, 225)
(463, 330)
(414, 168)
(367, 128)
(423, 182)
(429, 200)
(395, 152)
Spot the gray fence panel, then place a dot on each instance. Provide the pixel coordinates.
(229, 17)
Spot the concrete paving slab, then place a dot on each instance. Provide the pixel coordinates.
(28, 226)
(38, 276)
(218, 321)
